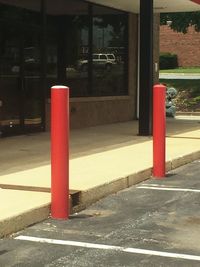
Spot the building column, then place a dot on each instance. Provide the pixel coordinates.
(146, 67)
(43, 56)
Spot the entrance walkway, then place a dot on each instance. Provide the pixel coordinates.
(103, 160)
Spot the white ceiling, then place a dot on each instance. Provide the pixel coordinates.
(160, 6)
(54, 6)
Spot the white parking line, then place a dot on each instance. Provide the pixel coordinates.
(108, 247)
(169, 189)
(157, 185)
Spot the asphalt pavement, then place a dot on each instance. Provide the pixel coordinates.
(154, 223)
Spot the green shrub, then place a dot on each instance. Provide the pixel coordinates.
(188, 98)
(195, 92)
(197, 99)
(168, 61)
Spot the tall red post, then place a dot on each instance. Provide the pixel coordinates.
(159, 130)
(59, 152)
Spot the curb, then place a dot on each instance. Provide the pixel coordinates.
(94, 194)
(19, 222)
(90, 196)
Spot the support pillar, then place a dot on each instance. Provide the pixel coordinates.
(146, 67)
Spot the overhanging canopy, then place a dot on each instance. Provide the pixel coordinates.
(160, 6)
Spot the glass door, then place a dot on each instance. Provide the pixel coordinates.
(10, 79)
(31, 81)
(21, 91)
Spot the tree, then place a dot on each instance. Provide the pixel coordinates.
(181, 21)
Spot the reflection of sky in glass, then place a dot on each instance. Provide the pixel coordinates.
(84, 37)
(101, 36)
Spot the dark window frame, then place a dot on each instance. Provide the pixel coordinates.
(90, 51)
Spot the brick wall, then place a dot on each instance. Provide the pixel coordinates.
(186, 46)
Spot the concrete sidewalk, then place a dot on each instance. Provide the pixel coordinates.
(179, 76)
(103, 160)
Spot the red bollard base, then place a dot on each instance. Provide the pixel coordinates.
(158, 177)
(62, 213)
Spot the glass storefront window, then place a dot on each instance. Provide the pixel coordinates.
(77, 78)
(20, 76)
(69, 49)
(70, 42)
(109, 47)
(67, 45)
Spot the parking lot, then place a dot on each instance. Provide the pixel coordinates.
(155, 223)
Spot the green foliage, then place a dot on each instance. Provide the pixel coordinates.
(188, 97)
(168, 61)
(181, 21)
(197, 99)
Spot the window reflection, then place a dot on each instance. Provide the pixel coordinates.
(67, 45)
(20, 80)
(70, 42)
(109, 48)
(68, 50)
(77, 73)
(89, 68)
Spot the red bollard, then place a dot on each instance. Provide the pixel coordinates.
(59, 152)
(159, 130)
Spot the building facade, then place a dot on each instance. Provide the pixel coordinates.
(102, 50)
(42, 45)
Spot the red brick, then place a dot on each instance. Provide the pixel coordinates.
(185, 46)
